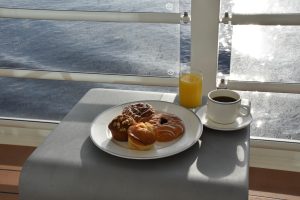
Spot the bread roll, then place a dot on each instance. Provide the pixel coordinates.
(141, 136)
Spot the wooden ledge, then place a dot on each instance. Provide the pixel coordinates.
(274, 181)
(12, 158)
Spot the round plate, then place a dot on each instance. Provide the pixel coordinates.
(102, 138)
(240, 122)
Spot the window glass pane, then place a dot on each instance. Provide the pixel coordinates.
(225, 6)
(275, 115)
(225, 32)
(96, 5)
(266, 53)
(114, 48)
(48, 99)
(265, 6)
(117, 48)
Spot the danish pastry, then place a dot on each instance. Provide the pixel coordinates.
(141, 136)
(119, 127)
(140, 112)
(167, 126)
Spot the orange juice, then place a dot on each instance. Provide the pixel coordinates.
(190, 90)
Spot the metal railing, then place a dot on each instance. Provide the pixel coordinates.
(284, 19)
(96, 16)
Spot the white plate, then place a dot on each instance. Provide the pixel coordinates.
(102, 138)
(240, 122)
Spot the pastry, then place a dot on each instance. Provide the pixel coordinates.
(141, 136)
(167, 126)
(119, 126)
(140, 112)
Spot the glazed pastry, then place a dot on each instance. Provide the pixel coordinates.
(167, 126)
(140, 112)
(141, 136)
(119, 127)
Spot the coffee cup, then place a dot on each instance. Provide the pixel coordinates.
(224, 106)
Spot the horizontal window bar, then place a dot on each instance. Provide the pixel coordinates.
(144, 80)
(262, 19)
(264, 86)
(287, 160)
(170, 18)
(28, 123)
(96, 5)
(90, 77)
(275, 143)
(265, 153)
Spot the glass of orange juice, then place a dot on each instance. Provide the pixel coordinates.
(190, 87)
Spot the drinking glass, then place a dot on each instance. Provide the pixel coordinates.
(190, 87)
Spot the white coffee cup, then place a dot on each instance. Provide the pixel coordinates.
(224, 106)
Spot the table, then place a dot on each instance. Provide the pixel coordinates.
(69, 166)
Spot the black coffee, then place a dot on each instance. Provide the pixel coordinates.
(224, 99)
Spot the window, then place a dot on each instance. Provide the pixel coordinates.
(264, 68)
(148, 54)
(264, 58)
(85, 51)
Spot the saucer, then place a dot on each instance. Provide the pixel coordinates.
(240, 122)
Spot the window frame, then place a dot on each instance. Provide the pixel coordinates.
(97, 16)
(90, 77)
(204, 58)
(204, 43)
(283, 19)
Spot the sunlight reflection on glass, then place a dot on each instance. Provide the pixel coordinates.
(244, 6)
(270, 58)
(266, 6)
(259, 78)
(249, 41)
(219, 74)
(234, 76)
(169, 6)
(223, 42)
(268, 94)
(259, 123)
